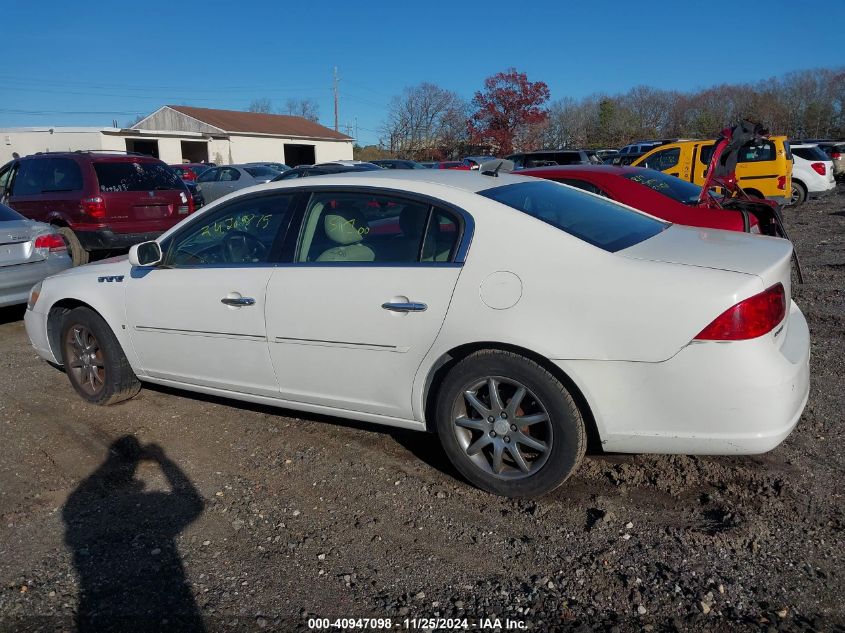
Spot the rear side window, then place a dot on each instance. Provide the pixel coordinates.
(62, 174)
(810, 153)
(123, 176)
(9, 215)
(596, 221)
(343, 228)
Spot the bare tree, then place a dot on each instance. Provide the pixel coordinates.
(262, 106)
(306, 108)
(425, 121)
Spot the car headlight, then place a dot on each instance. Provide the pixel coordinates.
(33, 296)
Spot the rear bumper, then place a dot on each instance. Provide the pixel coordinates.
(106, 239)
(712, 398)
(17, 281)
(822, 190)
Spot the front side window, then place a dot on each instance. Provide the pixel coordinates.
(246, 231)
(228, 174)
(597, 221)
(209, 175)
(121, 176)
(664, 159)
(29, 179)
(341, 227)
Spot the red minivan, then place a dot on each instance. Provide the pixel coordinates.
(99, 201)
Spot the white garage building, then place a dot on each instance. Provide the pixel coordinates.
(179, 134)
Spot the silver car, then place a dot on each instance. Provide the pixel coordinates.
(29, 252)
(218, 181)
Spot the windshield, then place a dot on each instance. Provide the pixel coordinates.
(9, 215)
(595, 220)
(130, 176)
(670, 186)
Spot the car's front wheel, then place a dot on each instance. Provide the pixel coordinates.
(508, 425)
(93, 359)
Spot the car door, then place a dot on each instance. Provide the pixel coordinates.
(351, 318)
(199, 317)
(232, 178)
(208, 183)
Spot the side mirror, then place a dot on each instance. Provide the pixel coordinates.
(145, 254)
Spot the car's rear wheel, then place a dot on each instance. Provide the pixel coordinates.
(798, 194)
(93, 359)
(508, 425)
(77, 252)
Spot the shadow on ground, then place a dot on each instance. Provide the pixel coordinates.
(131, 577)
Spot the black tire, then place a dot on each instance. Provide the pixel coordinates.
(93, 359)
(78, 254)
(562, 433)
(798, 194)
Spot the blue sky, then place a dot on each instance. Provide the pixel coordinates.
(87, 63)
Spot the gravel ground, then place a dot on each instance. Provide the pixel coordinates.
(179, 512)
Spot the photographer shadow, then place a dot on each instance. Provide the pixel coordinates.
(130, 573)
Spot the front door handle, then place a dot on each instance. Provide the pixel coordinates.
(238, 301)
(410, 306)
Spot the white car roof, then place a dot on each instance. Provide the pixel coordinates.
(466, 180)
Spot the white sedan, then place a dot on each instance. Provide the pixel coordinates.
(515, 317)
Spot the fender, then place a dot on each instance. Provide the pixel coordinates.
(102, 287)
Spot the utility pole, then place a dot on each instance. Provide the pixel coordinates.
(335, 98)
(356, 128)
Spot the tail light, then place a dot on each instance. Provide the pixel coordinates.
(52, 242)
(748, 319)
(836, 155)
(782, 182)
(819, 168)
(95, 207)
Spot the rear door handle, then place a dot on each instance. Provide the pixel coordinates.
(410, 306)
(238, 301)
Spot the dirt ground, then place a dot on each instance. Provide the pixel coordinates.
(185, 513)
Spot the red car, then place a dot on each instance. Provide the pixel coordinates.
(653, 192)
(190, 171)
(97, 200)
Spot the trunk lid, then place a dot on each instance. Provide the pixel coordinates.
(17, 242)
(769, 258)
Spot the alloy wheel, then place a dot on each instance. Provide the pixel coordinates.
(502, 427)
(85, 359)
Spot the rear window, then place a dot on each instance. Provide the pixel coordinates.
(596, 221)
(810, 153)
(9, 215)
(670, 186)
(131, 176)
(261, 172)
